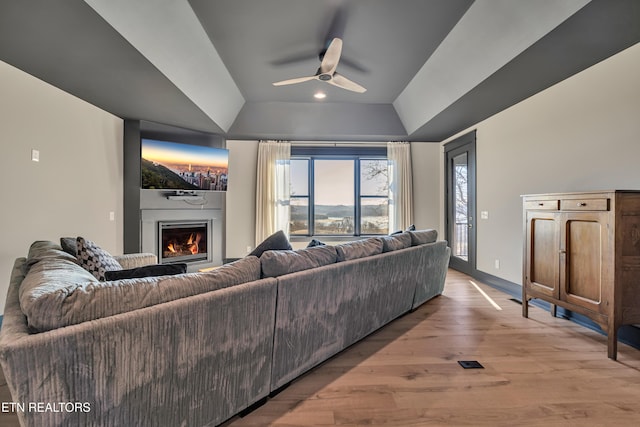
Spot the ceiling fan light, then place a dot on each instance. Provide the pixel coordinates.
(319, 95)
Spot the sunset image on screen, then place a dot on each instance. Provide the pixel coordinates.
(170, 165)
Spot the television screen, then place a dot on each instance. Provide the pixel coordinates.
(175, 166)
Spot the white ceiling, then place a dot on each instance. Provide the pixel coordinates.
(431, 67)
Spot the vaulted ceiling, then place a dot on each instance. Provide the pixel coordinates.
(431, 67)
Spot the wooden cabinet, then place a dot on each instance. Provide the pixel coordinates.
(582, 252)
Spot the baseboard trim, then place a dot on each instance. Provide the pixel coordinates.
(500, 284)
(627, 334)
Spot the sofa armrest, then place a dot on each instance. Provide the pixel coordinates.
(128, 261)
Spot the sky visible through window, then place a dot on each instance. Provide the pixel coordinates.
(334, 197)
(334, 182)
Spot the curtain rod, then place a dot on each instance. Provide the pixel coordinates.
(338, 143)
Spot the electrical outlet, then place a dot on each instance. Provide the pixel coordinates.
(112, 216)
(484, 215)
(248, 249)
(35, 155)
(496, 264)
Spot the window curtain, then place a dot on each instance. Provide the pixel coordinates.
(272, 189)
(400, 186)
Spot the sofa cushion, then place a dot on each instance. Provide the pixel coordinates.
(42, 249)
(278, 263)
(147, 271)
(45, 288)
(420, 237)
(276, 242)
(94, 259)
(396, 242)
(359, 249)
(58, 292)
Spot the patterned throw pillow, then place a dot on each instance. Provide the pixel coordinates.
(95, 259)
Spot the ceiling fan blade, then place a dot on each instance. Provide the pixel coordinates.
(354, 65)
(343, 82)
(294, 81)
(339, 17)
(331, 57)
(294, 59)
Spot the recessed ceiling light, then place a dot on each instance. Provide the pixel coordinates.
(319, 95)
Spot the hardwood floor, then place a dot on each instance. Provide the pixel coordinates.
(537, 371)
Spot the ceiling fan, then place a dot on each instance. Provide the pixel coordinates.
(327, 71)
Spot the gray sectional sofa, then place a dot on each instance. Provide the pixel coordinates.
(195, 349)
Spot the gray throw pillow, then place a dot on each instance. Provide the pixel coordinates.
(276, 242)
(94, 259)
(409, 228)
(69, 245)
(315, 242)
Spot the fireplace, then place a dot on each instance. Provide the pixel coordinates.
(161, 216)
(183, 241)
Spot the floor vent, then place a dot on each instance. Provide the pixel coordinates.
(470, 364)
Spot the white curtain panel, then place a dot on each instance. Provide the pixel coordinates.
(272, 188)
(400, 186)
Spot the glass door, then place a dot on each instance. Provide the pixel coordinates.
(461, 204)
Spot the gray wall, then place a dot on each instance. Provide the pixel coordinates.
(134, 130)
(76, 184)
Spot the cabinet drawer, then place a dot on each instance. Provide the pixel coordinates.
(545, 205)
(584, 204)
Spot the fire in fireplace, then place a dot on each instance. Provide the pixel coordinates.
(183, 241)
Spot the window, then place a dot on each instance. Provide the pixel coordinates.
(339, 194)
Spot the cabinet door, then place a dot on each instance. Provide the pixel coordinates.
(541, 263)
(583, 247)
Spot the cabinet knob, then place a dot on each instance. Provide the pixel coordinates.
(540, 204)
(562, 251)
(582, 204)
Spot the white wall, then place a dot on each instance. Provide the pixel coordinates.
(241, 198)
(78, 180)
(427, 165)
(581, 134)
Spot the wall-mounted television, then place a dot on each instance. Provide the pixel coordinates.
(167, 165)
